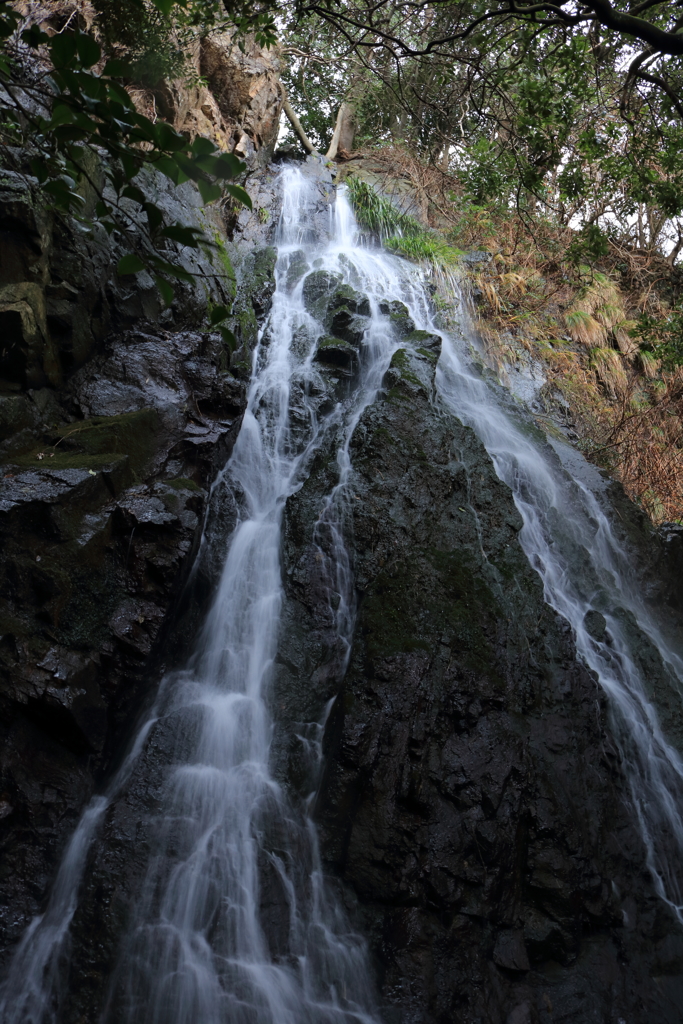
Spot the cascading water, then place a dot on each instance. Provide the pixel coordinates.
(568, 539)
(197, 948)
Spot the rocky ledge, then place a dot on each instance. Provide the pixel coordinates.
(115, 417)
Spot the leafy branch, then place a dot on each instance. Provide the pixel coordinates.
(63, 114)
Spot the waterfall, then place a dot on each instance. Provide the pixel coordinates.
(588, 577)
(196, 949)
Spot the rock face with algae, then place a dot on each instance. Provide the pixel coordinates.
(473, 808)
(115, 416)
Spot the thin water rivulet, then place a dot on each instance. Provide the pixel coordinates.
(196, 948)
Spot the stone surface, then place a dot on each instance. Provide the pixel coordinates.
(473, 812)
(473, 808)
(60, 296)
(114, 418)
(99, 521)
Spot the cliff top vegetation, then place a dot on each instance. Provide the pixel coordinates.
(549, 135)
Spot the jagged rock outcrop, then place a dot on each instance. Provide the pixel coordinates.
(231, 94)
(473, 802)
(236, 102)
(115, 415)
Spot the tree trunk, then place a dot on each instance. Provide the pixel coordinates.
(296, 123)
(344, 131)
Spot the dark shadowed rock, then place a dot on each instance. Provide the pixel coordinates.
(473, 807)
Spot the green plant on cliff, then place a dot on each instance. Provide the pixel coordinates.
(400, 233)
(426, 248)
(378, 214)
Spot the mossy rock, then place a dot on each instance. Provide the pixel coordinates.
(400, 317)
(424, 339)
(348, 297)
(430, 591)
(344, 323)
(264, 266)
(297, 266)
(99, 443)
(228, 278)
(318, 288)
(182, 483)
(336, 352)
(401, 362)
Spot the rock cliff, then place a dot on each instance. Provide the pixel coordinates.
(473, 813)
(473, 805)
(115, 415)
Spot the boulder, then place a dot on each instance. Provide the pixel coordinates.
(399, 316)
(27, 355)
(336, 352)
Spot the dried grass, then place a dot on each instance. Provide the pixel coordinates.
(644, 448)
(584, 329)
(628, 346)
(610, 370)
(649, 364)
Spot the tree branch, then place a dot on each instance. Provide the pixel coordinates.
(296, 123)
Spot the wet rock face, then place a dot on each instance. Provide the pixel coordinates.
(472, 802)
(100, 509)
(60, 297)
(114, 418)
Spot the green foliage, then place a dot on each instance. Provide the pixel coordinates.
(400, 232)
(426, 248)
(589, 244)
(663, 336)
(554, 115)
(377, 214)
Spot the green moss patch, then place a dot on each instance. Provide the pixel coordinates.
(182, 483)
(97, 443)
(412, 604)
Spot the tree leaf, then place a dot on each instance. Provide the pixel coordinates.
(133, 192)
(224, 165)
(167, 138)
(165, 6)
(167, 292)
(63, 49)
(115, 68)
(154, 215)
(89, 51)
(229, 338)
(239, 193)
(209, 191)
(182, 234)
(170, 269)
(129, 264)
(61, 114)
(218, 314)
(130, 163)
(202, 146)
(168, 167)
(187, 166)
(40, 169)
(32, 36)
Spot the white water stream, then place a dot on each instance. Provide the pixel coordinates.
(197, 951)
